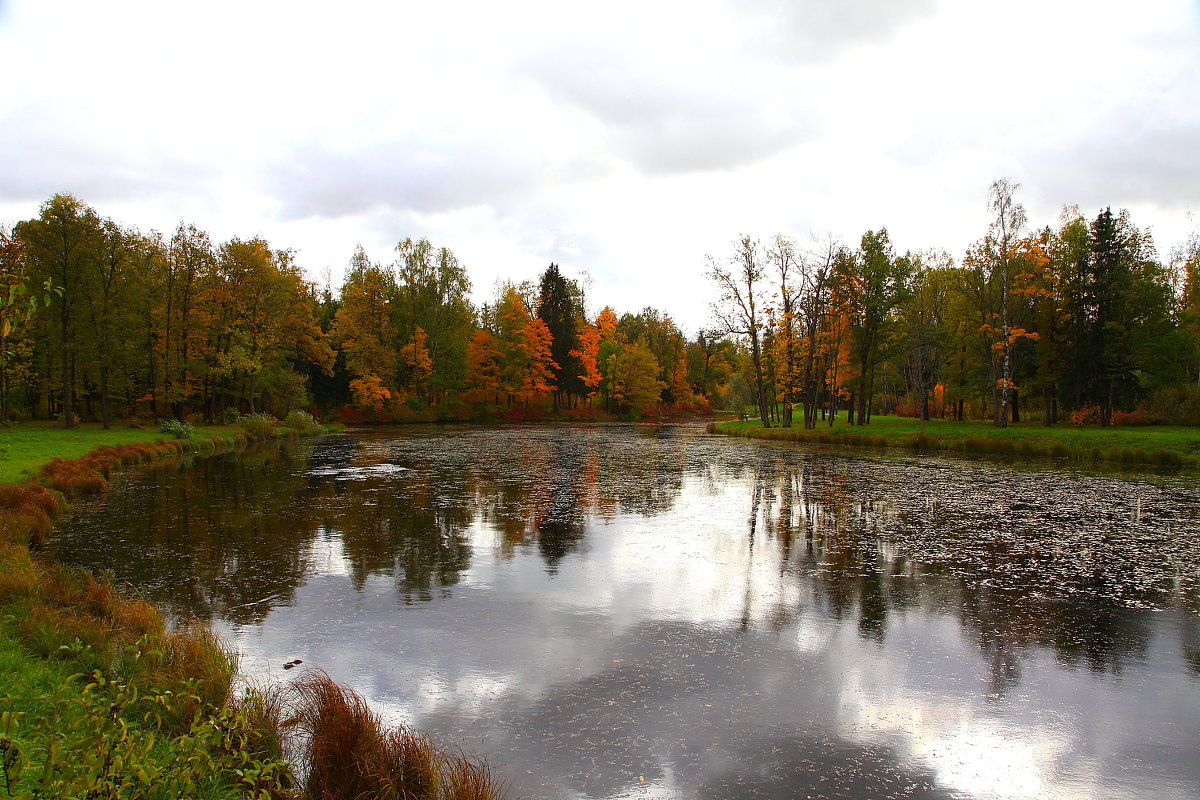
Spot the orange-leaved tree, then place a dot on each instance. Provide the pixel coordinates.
(363, 330)
(588, 355)
(418, 364)
(483, 366)
(524, 341)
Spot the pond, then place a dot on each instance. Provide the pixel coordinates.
(621, 611)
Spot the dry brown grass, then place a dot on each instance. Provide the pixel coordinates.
(125, 454)
(57, 632)
(24, 526)
(195, 657)
(137, 618)
(346, 752)
(267, 711)
(470, 779)
(29, 495)
(90, 474)
(19, 575)
(27, 513)
(74, 477)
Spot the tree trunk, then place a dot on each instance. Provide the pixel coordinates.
(3, 384)
(69, 396)
(67, 382)
(760, 388)
(105, 416)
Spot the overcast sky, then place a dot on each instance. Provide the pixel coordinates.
(624, 139)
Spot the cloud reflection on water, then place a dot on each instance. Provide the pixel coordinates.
(599, 611)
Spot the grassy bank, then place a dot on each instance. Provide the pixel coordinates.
(1152, 445)
(99, 698)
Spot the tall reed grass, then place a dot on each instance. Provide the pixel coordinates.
(345, 752)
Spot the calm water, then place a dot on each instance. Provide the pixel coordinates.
(624, 611)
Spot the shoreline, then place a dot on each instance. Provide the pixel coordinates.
(1149, 446)
(98, 693)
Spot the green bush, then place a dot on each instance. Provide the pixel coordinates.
(258, 426)
(1174, 406)
(922, 441)
(177, 429)
(1028, 449)
(302, 422)
(1166, 458)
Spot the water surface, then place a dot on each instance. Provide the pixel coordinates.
(634, 611)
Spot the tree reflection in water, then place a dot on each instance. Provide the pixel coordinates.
(231, 535)
(658, 552)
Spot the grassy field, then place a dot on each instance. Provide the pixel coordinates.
(1159, 445)
(27, 445)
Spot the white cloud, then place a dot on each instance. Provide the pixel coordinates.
(628, 141)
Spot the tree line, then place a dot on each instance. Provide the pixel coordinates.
(99, 320)
(1081, 320)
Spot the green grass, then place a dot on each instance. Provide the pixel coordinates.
(64, 734)
(1152, 445)
(26, 446)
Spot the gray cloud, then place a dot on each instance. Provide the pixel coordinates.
(729, 97)
(815, 30)
(410, 172)
(718, 117)
(1135, 154)
(45, 153)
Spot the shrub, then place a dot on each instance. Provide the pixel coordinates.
(80, 744)
(1002, 446)
(1088, 414)
(177, 429)
(1059, 450)
(258, 426)
(1136, 417)
(302, 422)
(1178, 406)
(922, 441)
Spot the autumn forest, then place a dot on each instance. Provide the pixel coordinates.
(1081, 321)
